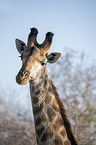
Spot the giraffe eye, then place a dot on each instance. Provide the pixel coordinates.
(42, 63)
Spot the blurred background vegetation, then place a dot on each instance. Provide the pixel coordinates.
(75, 80)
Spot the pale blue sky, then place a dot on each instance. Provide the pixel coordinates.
(72, 21)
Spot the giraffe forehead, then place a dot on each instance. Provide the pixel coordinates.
(33, 52)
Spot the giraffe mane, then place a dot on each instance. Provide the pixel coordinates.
(66, 122)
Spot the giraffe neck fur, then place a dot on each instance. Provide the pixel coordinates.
(48, 121)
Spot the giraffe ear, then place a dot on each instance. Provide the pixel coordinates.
(20, 45)
(53, 57)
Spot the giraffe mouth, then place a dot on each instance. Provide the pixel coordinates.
(22, 77)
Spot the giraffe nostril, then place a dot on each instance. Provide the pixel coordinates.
(26, 74)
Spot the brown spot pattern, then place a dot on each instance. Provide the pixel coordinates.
(41, 94)
(40, 131)
(45, 83)
(38, 109)
(67, 142)
(51, 114)
(37, 121)
(50, 89)
(63, 133)
(35, 87)
(44, 119)
(55, 105)
(47, 135)
(37, 92)
(58, 123)
(37, 140)
(46, 76)
(58, 141)
(34, 100)
(40, 84)
(44, 137)
(47, 99)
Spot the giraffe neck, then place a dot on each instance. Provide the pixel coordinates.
(49, 124)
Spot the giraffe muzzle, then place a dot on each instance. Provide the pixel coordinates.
(22, 77)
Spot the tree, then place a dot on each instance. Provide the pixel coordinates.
(16, 124)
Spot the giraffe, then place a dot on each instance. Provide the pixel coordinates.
(52, 126)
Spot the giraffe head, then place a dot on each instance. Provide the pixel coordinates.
(34, 56)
